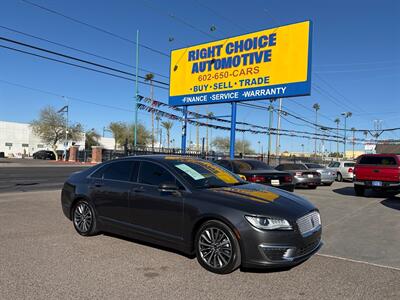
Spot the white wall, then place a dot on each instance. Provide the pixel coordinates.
(21, 140)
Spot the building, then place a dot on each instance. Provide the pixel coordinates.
(18, 139)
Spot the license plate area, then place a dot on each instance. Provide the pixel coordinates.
(275, 182)
(310, 175)
(376, 183)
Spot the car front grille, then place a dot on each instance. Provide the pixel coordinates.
(309, 223)
(307, 248)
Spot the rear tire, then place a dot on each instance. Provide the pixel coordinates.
(217, 248)
(339, 177)
(84, 218)
(359, 190)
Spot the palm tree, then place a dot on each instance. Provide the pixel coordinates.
(316, 107)
(167, 125)
(149, 77)
(337, 121)
(210, 115)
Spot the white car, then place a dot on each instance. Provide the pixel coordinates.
(344, 169)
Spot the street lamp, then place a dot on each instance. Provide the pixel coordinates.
(316, 107)
(346, 115)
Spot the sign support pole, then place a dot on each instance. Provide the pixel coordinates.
(271, 112)
(184, 127)
(233, 131)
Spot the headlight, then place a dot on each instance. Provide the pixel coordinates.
(268, 223)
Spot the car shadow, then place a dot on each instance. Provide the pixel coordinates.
(148, 244)
(193, 256)
(346, 191)
(349, 191)
(392, 202)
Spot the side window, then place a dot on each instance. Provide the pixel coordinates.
(99, 172)
(154, 174)
(224, 163)
(331, 165)
(121, 170)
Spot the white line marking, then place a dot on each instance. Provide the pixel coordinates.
(358, 261)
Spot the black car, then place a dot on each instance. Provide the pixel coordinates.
(196, 207)
(258, 172)
(44, 154)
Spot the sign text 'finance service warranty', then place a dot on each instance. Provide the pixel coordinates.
(271, 63)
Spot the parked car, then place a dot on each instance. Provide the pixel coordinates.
(343, 169)
(196, 207)
(378, 172)
(328, 176)
(259, 172)
(44, 154)
(302, 176)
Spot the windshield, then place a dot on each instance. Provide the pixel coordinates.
(247, 165)
(203, 174)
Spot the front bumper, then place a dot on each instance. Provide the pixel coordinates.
(274, 249)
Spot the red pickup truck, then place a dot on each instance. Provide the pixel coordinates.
(378, 172)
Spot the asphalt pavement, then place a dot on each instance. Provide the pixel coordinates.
(43, 257)
(33, 175)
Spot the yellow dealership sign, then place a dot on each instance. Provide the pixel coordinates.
(266, 64)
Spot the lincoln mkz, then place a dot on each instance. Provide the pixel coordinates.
(196, 207)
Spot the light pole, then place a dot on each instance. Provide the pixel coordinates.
(302, 149)
(337, 121)
(354, 131)
(346, 115)
(316, 107)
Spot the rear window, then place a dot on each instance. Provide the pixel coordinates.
(247, 165)
(287, 167)
(378, 160)
(349, 164)
(314, 166)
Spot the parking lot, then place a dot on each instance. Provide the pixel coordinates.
(43, 257)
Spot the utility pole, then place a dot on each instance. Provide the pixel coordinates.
(346, 115)
(316, 107)
(278, 137)
(354, 131)
(271, 115)
(136, 91)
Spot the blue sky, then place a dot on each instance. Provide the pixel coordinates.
(355, 63)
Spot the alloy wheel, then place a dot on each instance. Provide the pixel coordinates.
(215, 247)
(83, 217)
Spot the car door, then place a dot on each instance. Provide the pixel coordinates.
(111, 189)
(155, 212)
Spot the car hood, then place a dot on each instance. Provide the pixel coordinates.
(258, 199)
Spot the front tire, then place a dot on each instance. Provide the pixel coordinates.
(217, 248)
(84, 218)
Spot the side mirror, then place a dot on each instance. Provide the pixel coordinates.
(168, 187)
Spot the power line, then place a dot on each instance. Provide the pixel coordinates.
(95, 27)
(79, 50)
(75, 58)
(76, 65)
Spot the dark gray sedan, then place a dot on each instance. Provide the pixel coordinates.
(302, 176)
(196, 207)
